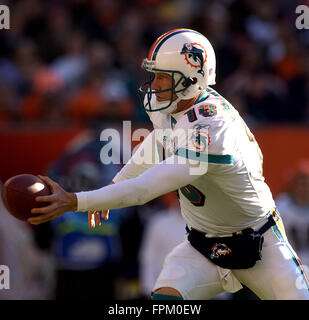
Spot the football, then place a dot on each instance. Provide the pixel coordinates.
(19, 193)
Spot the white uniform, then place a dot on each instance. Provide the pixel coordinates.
(229, 197)
(236, 195)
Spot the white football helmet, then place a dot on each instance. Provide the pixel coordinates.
(189, 58)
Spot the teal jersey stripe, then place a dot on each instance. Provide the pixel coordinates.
(208, 158)
(202, 97)
(280, 237)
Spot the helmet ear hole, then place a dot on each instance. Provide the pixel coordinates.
(188, 81)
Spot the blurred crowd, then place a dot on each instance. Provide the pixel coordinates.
(78, 61)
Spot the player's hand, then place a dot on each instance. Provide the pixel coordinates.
(60, 201)
(94, 217)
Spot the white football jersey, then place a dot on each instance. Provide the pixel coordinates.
(232, 195)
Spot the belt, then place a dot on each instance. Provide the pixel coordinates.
(273, 216)
(271, 222)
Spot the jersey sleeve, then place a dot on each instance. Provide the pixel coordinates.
(154, 182)
(144, 158)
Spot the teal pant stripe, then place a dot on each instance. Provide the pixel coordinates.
(158, 296)
(279, 235)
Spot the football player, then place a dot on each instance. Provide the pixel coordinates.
(207, 153)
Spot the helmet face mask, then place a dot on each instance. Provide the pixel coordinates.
(188, 57)
(149, 94)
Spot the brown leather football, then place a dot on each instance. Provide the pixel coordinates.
(19, 193)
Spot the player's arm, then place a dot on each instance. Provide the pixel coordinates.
(160, 179)
(154, 182)
(144, 158)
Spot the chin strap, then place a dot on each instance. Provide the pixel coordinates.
(171, 108)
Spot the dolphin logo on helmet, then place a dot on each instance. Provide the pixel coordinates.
(191, 51)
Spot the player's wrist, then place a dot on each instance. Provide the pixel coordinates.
(73, 201)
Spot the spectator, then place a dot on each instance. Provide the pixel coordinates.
(8, 104)
(263, 99)
(87, 104)
(119, 102)
(294, 209)
(261, 24)
(45, 102)
(72, 65)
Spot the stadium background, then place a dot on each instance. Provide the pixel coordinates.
(69, 69)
